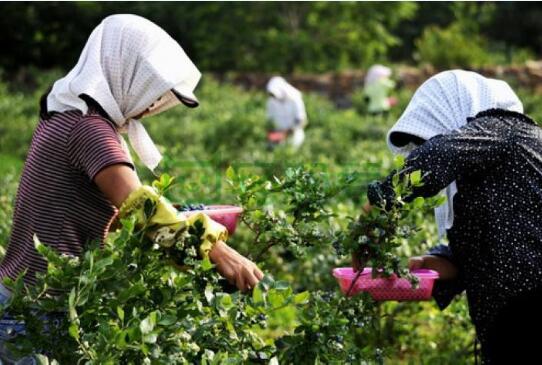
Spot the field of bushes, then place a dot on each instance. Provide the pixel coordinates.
(297, 203)
(217, 154)
(132, 301)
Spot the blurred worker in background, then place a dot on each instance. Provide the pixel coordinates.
(286, 112)
(377, 86)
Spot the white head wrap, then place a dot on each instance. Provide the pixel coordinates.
(442, 104)
(375, 73)
(282, 90)
(129, 64)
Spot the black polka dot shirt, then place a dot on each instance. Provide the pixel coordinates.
(496, 237)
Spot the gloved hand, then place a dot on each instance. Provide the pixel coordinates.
(166, 223)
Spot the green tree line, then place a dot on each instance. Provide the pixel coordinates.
(284, 36)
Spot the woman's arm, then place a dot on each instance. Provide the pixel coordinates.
(470, 150)
(118, 181)
(445, 268)
(451, 281)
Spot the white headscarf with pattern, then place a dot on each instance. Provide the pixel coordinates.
(129, 65)
(442, 104)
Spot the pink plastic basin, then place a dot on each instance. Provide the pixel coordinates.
(382, 289)
(277, 136)
(227, 215)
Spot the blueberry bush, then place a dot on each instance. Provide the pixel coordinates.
(125, 302)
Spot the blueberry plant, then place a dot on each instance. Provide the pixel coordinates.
(375, 236)
(291, 212)
(304, 221)
(121, 304)
(200, 145)
(135, 301)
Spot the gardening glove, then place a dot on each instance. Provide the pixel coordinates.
(212, 232)
(167, 222)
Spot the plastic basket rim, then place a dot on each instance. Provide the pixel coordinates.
(339, 273)
(218, 209)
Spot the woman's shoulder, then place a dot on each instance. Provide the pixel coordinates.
(75, 117)
(95, 120)
(502, 114)
(91, 127)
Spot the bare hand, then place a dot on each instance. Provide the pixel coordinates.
(444, 267)
(416, 263)
(236, 268)
(356, 262)
(367, 207)
(359, 259)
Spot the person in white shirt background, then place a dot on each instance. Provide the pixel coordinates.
(286, 112)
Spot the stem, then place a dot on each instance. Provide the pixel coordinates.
(250, 226)
(353, 282)
(85, 350)
(253, 229)
(257, 237)
(389, 322)
(378, 325)
(265, 249)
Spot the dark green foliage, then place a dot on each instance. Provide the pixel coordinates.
(281, 36)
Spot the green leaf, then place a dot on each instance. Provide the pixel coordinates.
(275, 298)
(103, 263)
(257, 295)
(230, 173)
(146, 325)
(267, 282)
(167, 320)
(209, 294)
(71, 298)
(164, 183)
(71, 305)
(418, 202)
(399, 161)
(42, 360)
(38, 245)
(415, 178)
(206, 264)
(395, 180)
(302, 298)
(153, 317)
(132, 291)
(226, 301)
(73, 330)
(441, 199)
(150, 338)
(120, 339)
(120, 313)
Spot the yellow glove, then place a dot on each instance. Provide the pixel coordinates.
(169, 221)
(213, 232)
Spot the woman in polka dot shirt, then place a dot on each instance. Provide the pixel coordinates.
(468, 137)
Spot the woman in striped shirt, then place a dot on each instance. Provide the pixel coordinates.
(78, 171)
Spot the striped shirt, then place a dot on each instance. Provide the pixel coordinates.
(57, 199)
